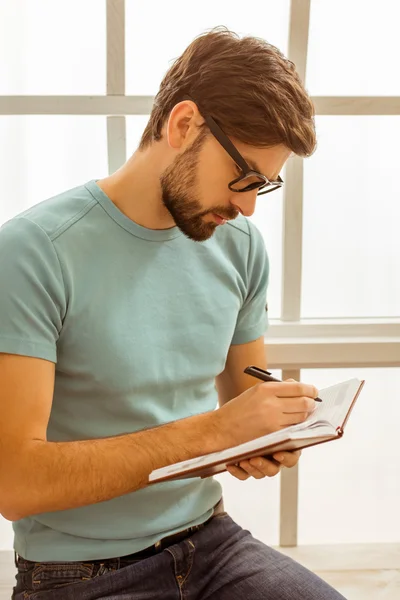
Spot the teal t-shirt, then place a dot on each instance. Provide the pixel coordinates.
(139, 323)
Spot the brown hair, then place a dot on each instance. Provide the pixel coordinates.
(246, 85)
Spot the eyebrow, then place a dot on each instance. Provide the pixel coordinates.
(253, 165)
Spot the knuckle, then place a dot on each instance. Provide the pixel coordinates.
(307, 390)
(268, 387)
(305, 403)
(275, 469)
(308, 403)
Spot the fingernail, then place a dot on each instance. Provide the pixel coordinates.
(279, 457)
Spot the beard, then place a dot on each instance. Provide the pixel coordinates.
(178, 192)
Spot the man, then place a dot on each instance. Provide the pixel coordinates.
(127, 305)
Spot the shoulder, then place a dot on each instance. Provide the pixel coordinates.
(54, 215)
(247, 235)
(239, 226)
(242, 226)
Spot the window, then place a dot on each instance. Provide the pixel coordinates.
(46, 155)
(353, 48)
(351, 240)
(52, 47)
(268, 218)
(265, 18)
(349, 489)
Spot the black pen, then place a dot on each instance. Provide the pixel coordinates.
(265, 376)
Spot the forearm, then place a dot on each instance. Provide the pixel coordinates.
(49, 476)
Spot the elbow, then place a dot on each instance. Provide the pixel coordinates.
(11, 504)
(11, 515)
(11, 511)
(15, 497)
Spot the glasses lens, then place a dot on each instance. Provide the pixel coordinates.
(268, 188)
(248, 183)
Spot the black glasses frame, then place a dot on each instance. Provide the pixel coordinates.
(264, 185)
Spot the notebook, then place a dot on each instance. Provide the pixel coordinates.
(325, 424)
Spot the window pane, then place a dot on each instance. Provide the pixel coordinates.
(267, 217)
(135, 125)
(350, 488)
(152, 47)
(52, 47)
(351, 214)
(46, 155)
(354, 48)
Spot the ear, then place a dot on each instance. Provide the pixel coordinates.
(183, 125)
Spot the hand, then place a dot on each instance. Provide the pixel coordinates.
(264, 408)
(260, 467)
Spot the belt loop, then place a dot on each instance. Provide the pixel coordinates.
(16, 559)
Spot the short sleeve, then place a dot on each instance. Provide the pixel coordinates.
(32, 296)
(252, 321)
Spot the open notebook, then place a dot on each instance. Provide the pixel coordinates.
(325, 424)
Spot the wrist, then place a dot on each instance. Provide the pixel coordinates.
(213, 438)
(182, 440)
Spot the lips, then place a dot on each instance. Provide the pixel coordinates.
(220, 220)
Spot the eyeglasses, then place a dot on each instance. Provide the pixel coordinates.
(249, 179)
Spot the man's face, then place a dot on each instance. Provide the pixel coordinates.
(195, 186)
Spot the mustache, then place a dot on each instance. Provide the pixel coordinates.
(224, 215)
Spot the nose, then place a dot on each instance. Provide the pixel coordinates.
(245, 202)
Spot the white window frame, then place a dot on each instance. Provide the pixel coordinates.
(292, 343)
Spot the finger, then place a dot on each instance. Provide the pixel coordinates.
(251, 469)
(237, 472)
(260, 467)
(293, 389)
(288, 459)
(303, 404)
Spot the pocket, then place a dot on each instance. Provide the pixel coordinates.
(51, 576)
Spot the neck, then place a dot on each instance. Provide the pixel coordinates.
(135, 190)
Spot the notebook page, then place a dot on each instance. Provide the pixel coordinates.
(336, 401)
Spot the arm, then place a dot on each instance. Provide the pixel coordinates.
(247, 344)
(232, 381)
(39, 476)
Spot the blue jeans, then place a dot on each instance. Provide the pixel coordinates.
(222, 561)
